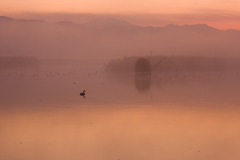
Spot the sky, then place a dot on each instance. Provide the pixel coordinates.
(123, 6)
(223, 14)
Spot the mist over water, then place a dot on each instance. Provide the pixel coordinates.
(164, 107)
(59, 81)
(182, 115)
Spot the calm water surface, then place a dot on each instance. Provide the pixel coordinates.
(42, 117)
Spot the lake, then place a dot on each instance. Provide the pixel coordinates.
(177, 117)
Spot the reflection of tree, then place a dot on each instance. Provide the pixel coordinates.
(168, 68)
(142, 74)
(142, 81)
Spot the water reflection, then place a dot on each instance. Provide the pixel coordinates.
(142, 75)
(142, 81)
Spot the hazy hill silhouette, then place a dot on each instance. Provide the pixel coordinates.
(4, 18)
(18, 62)
(111, 38)
(108, 23)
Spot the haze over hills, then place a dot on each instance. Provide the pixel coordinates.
(112, 38)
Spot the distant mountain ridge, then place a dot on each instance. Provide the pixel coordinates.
(4, 18)
(112, 37)
(111, 22)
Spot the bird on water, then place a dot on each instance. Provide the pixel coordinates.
(83, 93)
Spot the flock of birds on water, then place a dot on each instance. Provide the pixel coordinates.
(169, 75)
(46, 73)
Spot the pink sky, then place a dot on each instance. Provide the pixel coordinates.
(223, 14)
(123, 6)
